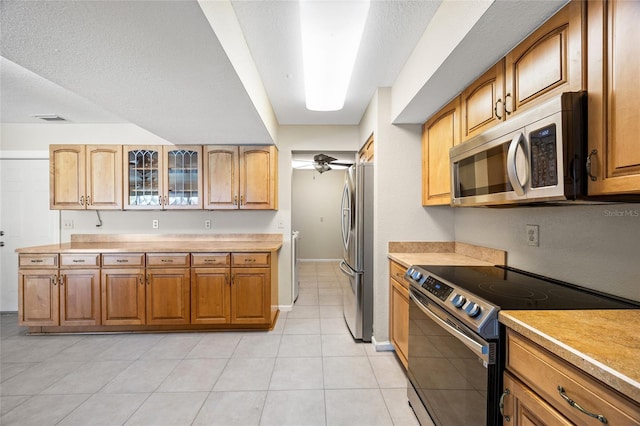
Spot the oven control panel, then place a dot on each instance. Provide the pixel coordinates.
(465, 306)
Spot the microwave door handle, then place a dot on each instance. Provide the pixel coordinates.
(479, 349)
(512, 168)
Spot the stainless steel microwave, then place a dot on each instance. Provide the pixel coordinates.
(538, 155)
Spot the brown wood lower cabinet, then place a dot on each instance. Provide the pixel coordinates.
(250, 295)
(523, 407)
(168, 300)
(147, 291)
(38, 297)
(398, 311)
(538, 386)
(80, 297)
(210, 296)
(123, 296)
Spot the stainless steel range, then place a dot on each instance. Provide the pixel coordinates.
(456, 344)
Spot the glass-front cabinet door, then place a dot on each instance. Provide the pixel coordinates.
(183, 179)
(143, 177)
(163, 177)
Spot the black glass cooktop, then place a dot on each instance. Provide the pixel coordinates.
(509, 288)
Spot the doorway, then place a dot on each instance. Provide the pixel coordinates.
(25, 219)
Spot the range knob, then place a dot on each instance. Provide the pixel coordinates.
(458, 300)
(472, 309)
(416, 275)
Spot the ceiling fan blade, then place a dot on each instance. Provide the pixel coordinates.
(322, 158)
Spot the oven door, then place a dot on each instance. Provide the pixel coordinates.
(453, 377)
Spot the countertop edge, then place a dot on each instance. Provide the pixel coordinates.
(580, 360)
(169, 247)
(452, 259)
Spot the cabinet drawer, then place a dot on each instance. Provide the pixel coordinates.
(165, 260)
(38, 260)
(251, 259)
(80, 260)
(544, 373)
(397, 272)
(210, 259)
(122, 260)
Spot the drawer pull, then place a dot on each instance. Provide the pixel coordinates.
(78, 260)
(504, 394)
(122, 260)
(36, 261)
(166, 260)
(572, 403)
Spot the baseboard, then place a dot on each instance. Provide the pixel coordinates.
(385, 346)
(285, 308)
(319, 260)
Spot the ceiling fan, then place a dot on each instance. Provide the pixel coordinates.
(323, 163)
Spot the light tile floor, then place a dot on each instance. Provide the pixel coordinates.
(307, 371)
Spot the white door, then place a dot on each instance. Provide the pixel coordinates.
(25, 219)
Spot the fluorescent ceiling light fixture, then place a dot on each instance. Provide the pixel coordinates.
(331, 34)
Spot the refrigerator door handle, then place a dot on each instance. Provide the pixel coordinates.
(346, 217)
(346, 269)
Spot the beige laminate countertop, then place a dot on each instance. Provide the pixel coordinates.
(453, 259)
(162, 244)
(602, 343)
(444, 253)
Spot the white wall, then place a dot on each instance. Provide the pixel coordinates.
(398, 214)
(315, 212)
(593, 246)
(37, 137)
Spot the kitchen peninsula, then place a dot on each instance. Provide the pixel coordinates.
(127, 283)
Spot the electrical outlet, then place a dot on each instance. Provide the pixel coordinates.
(155, 224)
(281, 224)
(532, 235)
(207, 224)
(67, 224)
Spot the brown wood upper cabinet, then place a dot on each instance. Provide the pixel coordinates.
(365, 155)
(482, 103)
(163, 177)
(548, 62)
(241, 177)
(613, 88)
(85, 177)
(439, 135)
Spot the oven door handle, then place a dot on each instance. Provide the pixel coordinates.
(481, 350)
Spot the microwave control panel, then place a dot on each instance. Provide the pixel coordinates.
(544, 165)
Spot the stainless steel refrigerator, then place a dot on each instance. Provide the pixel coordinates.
(357, 239)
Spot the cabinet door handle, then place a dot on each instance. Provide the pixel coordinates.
(62, 279)
(501, 405)
(141, 279)
(54, 280)
(235, 200)
(242, 203)
(589, 165)
(495, 108)
(88, 200)
(82, 200)
(505, 104)
(572, 403)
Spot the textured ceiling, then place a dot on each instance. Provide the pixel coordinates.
(272, 31)
(159, 64)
